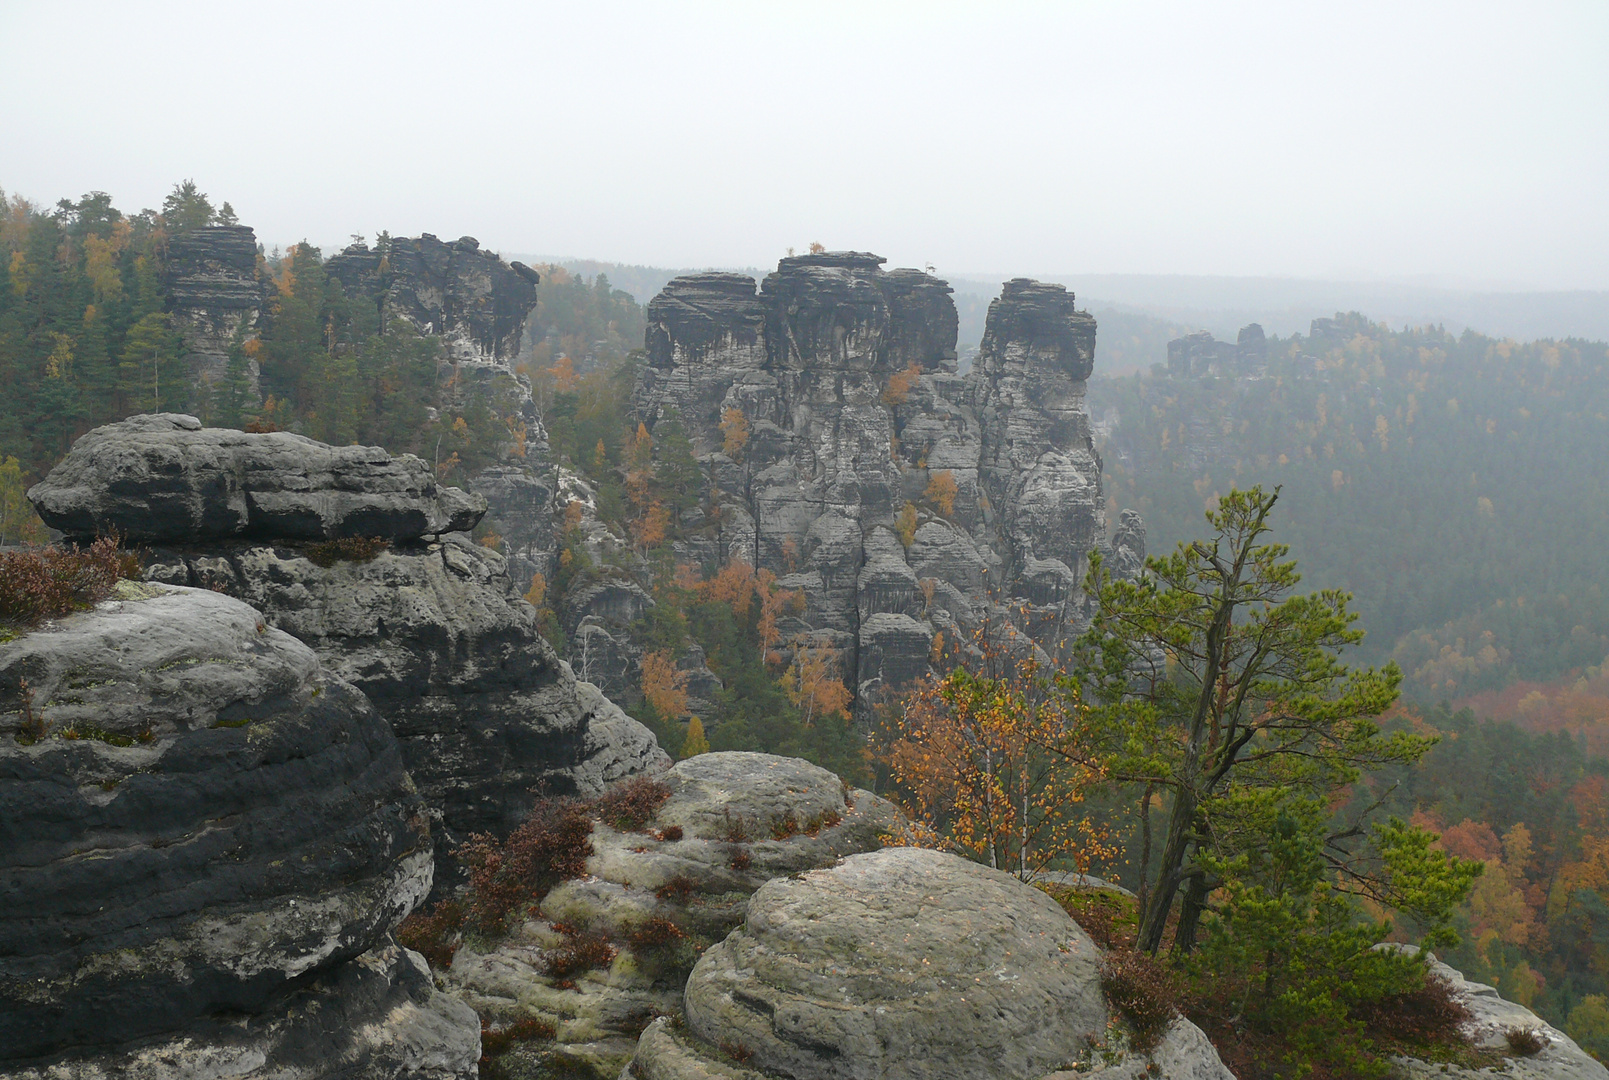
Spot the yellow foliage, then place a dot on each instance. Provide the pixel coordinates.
(491, 540)
(941, 491)
(734, 433)
(538, 591)
(900, 384)
(905, 525)
(695, 743)
(813, 683)
(663, 685)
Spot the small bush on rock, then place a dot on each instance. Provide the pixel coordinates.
(435, 935)
(677, 889)
(581, 951)
(1144, 991)
(347, 549)
(631, 804)
(1524, 1041)
(553, 845)
(47, 583)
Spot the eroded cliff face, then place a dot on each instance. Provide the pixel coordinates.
(847, 456)
(474, 300)
(216, 296)
(428, 624)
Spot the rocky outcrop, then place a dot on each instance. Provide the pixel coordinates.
(846, 455)
(1492, 1018)
(904, 963)
(474, 300)
(428, 626)
(1201, 354)
(164, 477)
(732, 822)
(199, 822)
(215, 297)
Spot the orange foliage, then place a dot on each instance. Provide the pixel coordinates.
(663, 685)
(900, 384)
(734, 433)
(941, 491)
(813, 683)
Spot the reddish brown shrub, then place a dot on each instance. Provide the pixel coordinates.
(346, 549)
(46, 583)
(631, 804)
(677, 889)
(737, 831)
(656, 933)
(1144, 991)
(740, 860)
(1524, 1041)
(552, 846)
(827, 820)
(785, 826)
(433, 935)
(671, 833)
(580, 952)
(1432, 1014)
(737, 1052)
(498, 1040)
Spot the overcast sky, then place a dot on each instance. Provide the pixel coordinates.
(1462, 143)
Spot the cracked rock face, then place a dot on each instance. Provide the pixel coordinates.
(216, 294)
(901, 963)
(209, 819)
(844, 377)
(163, 477)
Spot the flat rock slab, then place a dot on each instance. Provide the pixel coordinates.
(901, 963)
(164, 477)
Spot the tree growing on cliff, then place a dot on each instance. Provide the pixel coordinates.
(972, 754)
(1212, 684)
(814, 683)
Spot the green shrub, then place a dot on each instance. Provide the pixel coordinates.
(347, 549)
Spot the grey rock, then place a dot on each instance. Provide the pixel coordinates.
(475, 301)
(1559, 1059)
(435, 634)
(781, 815)
(163, 478)
(215, 296)
(210, 819)
(377, 1017)
(901, 963)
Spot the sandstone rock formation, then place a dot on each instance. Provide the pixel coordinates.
(197, 822)
(733, 821)
(215, 295)
(839, 380)
(430, 628)
(903, 963)
(1493, 1017)
(1201, 354)
(474, 300)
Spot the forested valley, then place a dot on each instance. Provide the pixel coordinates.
(1451, 485)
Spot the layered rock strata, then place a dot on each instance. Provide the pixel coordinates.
(847, 456)
(198, 821)
(215, 297)
(428, 625)
(474, 300)
(733, 821)
(904, 964)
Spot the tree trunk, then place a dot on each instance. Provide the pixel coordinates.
(1169, 877)
(1145, 846)
(1195, 902)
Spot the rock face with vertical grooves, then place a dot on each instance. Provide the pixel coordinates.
(197, 820)
(429, 627)
(842, 378)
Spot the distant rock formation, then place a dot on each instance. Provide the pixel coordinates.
(903, 499)
(474, 300)
(427, 625)
(203, 855)
(215, 296)
(1201, 354)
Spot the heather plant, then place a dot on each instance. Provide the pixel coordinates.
(46, 583)
(553, 845)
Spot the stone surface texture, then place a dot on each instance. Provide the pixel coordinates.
(163, 477)
(844, 375)
(215, 295)
(744, 819)
(472, 298)
(903, 963)
(1559, 1059)
(210, 821)
(431, 629)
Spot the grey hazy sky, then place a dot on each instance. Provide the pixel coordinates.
(1462, 142)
